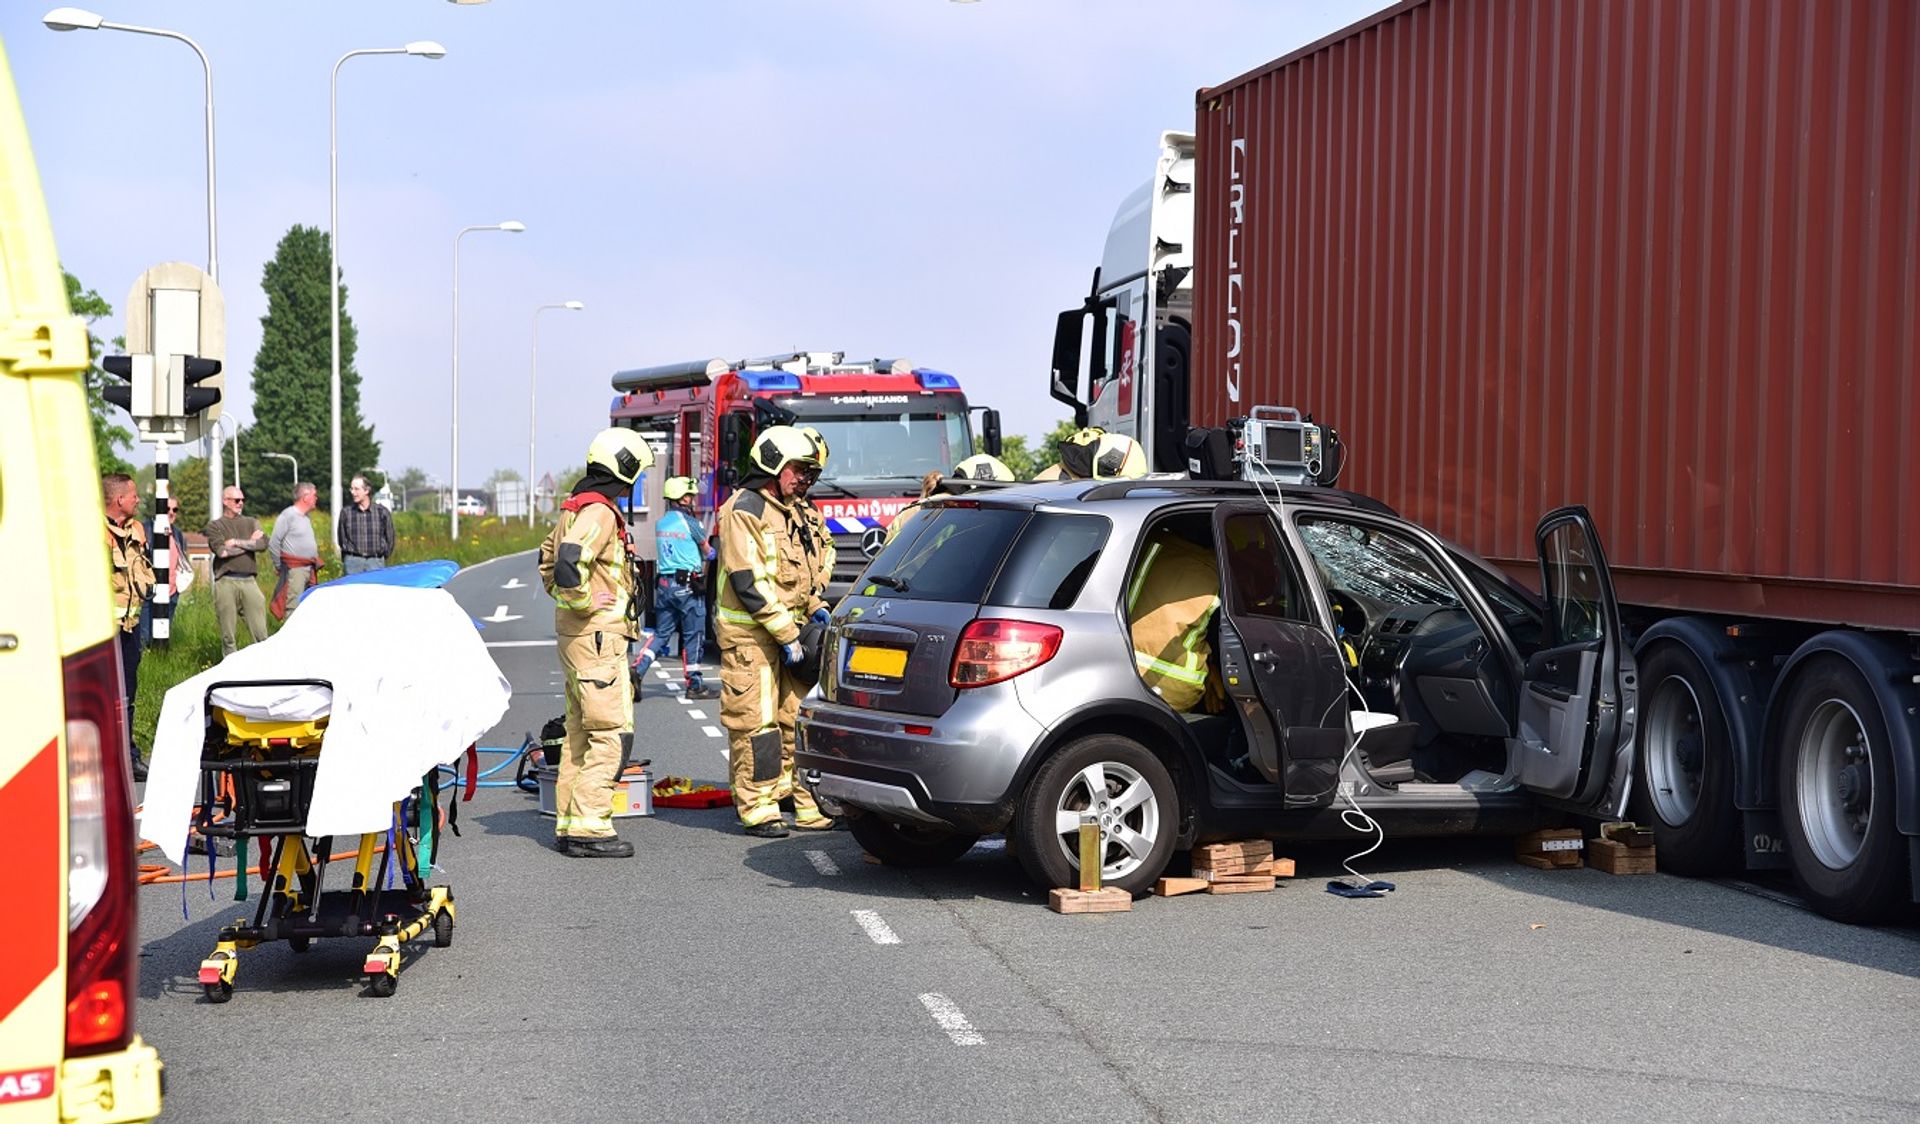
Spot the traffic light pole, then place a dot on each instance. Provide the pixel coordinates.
(161, 546)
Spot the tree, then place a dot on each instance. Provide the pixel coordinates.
(1017, 457)
(291, 407)
(187, 482)
(501, 475)
(1050, 445)
(108, 436)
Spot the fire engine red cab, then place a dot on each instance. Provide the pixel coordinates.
(886, 422)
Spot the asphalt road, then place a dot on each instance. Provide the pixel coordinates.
(718, 977)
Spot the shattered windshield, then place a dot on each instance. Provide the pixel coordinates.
(1375, 564)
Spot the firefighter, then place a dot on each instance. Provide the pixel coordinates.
(1171, 601)
(1083, 455)
(768, 594)
(587, 566)
(825, 555)
(682, 570)
(133, 581)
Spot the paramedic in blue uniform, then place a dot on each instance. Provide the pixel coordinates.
(681, 607)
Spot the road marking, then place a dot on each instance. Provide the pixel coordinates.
(951, 1020)
(501, 616)
(519, 643)
(876, 928)
(699, 714)
(822, 862)
(662, 673)
(683, 700)
(514, 583)
(710, 731)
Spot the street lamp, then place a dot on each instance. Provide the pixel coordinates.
(426, 49)
(79, 19)
(511, 227)
(533, 383)
(288, 457)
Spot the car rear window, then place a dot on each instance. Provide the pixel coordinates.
(944, 553)
(1050, 562)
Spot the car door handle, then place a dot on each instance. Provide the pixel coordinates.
(1263, 660)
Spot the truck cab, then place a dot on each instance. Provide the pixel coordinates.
(886, 422)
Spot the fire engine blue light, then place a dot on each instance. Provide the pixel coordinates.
(770, 380)
(937, 380)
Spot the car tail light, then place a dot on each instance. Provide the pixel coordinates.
(994, 650)
(101, 965)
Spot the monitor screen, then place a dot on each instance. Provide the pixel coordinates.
(1283, 444)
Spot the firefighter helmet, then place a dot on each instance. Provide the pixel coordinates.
(782, 445)
(621, 452)
(678, 488)
(983, 467)
(1095, 454)
(819, 440)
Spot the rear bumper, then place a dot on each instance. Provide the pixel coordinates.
(111, 1088)
(962, 775)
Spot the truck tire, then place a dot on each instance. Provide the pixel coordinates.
(909, 845)
(1116, 780)
(1837, 794)
(1685, 765)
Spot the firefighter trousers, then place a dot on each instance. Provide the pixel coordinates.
(599, 710)
(759, 701)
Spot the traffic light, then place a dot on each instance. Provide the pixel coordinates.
(199, 399)
(122, 366)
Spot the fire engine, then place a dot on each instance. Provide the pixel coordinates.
(887, 423)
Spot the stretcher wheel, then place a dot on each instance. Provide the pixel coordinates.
(442, 929)
(217, 992)
(299, 944)
(383, 985)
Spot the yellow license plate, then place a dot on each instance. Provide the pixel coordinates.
(887, 663)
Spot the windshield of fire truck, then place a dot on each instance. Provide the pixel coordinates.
(884, 443)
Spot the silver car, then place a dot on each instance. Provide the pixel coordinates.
(980, 679)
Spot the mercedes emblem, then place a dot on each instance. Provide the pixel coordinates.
(873, 541)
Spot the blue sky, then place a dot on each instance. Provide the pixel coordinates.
(900, 177)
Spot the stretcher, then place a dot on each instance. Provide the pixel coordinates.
(263, 748)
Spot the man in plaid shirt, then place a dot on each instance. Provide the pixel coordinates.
(366, 530)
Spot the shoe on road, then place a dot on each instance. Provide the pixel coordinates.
(599, 849)
(701, 693)
(772, 829)
(821, 824)
(139, 768)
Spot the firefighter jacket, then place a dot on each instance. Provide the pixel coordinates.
(587, 553)
(1171, 601)
(819, 545)
(767, 573)
(132, 572)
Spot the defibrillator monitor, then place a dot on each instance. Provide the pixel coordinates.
(1279, 446)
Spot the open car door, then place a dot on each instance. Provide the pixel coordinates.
(1577, 707)
(1284, 674)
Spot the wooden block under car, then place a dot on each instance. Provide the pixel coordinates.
(1232, 858)
(1107, 899)
(1241, 884)
(1174, 887)
(1618, 858)
(1272, 868)
(1556, 848)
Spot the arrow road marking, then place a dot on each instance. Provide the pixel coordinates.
(501, 616)
(514, 583)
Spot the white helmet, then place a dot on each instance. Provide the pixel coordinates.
(621, 452)
(983, 466)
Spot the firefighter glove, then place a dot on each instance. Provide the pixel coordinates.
(793, 653)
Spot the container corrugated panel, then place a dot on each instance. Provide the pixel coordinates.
(1660, 258)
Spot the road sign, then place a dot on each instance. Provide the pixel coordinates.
(176, 309)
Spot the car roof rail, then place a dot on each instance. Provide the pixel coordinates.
(1306, 493)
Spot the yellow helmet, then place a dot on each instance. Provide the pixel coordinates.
(1095, 454)
(818, 440)
(983, 467)
(782, 445)
(621, 452)
(678, 488)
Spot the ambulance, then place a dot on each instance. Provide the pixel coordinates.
(69, 942)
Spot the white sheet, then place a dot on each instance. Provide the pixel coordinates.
(413, 686)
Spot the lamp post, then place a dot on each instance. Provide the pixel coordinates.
(425, 49)
(288, 457)
(510, 227)
(533, 386)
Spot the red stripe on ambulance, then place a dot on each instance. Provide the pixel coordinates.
(30, 838)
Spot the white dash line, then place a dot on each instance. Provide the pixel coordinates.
(823, 862)
(951, 1020)
(699, 715)
(683, 700)
(876, 928)
(662, 673)
(710, 731)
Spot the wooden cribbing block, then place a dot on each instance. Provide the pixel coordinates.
(1233, 858)
(1556, 848)
(1240, 884)
(1111, 899)
(1174, 887)
(1272, 868)
(1618, 858)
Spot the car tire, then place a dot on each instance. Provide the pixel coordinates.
(1684, 765)
(1062, 788)
(1837, 794)
(909, 845)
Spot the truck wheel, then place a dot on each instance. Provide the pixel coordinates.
(1685, 770)
(1117, 783)
(910, 845)
(1837, 796)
